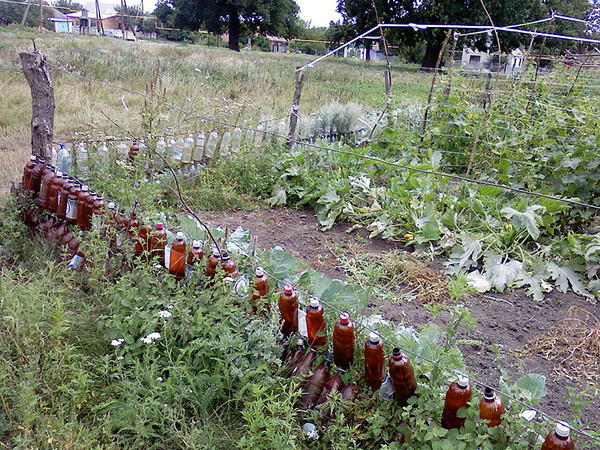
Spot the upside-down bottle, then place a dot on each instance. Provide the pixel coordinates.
(374, 360)
(261, 289)
(177, 259)
(343, 341)
(195, 254)
(403, 377)
(559, 438)
(315, 323)
(288, 309)
(491, 407)
(458, 395)
(315, 384)
(212, 262)
(157, 243)
(228, 266)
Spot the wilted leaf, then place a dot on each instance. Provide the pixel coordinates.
(279, 196)
(500, 273)
(528, 219)
(564, 276)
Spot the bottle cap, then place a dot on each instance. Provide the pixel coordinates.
(196, 243)
(111, 205)
(374, 337)
(32, 157)
(259, 271)
(180, 236)
(396, 353)
(59, 173)
(300, 342)
(562, 429)
(159, 226)
(288, 289)
(215, 252)
(225, 256)
(488, 394)
(344, 318)
(85, 188)
(314, 301)
(462, 381)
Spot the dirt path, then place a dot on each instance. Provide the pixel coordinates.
(506, 323)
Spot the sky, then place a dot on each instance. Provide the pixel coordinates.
(318, 12)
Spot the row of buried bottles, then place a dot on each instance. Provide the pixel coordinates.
(69, 202)
(191, 153)
(401, 377)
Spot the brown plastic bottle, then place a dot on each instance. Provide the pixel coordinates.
(228, 266)
(177, 258)
(91, 200)
(374, 360)
(55, 188)
(73, 245)
(315, 384)
(458, 395)
(57, 232)
(133, 225)
(27, 171)
(343, 341)
(212, 262)
(303, 366)
(63, 196)
(133, 151)
(334, 384)
(315, 323)
(295, 356)
(491, 408)
(559, 438)
(403, 377)
(260, 290)
(45, 184)
(141, 243)
(82, 208)
(288, 309)
(195, 254)
(36, 176)
(349, 392)
(157, 242)
(72, 200)
(46, 225)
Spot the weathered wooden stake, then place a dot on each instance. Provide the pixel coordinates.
(295, 106)
(42, 102)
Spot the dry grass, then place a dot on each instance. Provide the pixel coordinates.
(574, 344)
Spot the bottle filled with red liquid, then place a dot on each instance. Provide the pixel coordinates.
(72, 198)
(195, 254)
(82, 208)
(261, 289)
(228, 266)
(374, 360)
(177, 259)
(63, 195)
(27, 171)
(36, 176)
(315, 323)
(491, 408)
(403, 377)
(212, 262)
(559, 438)
(288, 309)
(343, 341)
(315, 384)
(157, 243)
(141, 244)
(53, 191)
(458, 395)
(134, 150)
(47, 181)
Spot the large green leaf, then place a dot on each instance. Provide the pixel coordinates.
(532, 387)
(279, 263)
(564, 276)
(528, 219)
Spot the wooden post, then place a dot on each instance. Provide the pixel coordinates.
(295, 105)
(42, 102)
(25, 13)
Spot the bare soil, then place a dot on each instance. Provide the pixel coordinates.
(506, 323)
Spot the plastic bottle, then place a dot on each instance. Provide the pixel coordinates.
(236, 140)
(374, 359)
(195, 254)
(315, 323)
(123, 150)
(82, 218)
(82, 161)
(228, 266)
(225, 144)
(141, 242)
(64, 159)
(458, 395)
(315, 384)
(213, 262)
(250, 136)
(63, 195)
(288, 309)
(491, 408)
(72, 203)
(177, 259)
(559, 438)
(161, 149)
(103, 154)
(349, 392)
(36, 176)
(259, 136)
(97, 213)
(188, 149)
(134, 151)
(343, 341)
(261, 289)
(54, 156)
(28, 171)
(178, 150)
(199, 150)
(403, 377)
(211, 146)
(334, 384)
(46, 183)
(53, 190)
(157, 243)
(302, 368)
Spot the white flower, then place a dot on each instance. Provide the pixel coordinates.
(159, 379)
(117, 342)
(151, 337)
(164, 314)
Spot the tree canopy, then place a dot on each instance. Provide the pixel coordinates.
(234, 16)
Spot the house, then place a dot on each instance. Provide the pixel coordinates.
(110, 19)
(473, 59)
(277, 44)
(62, 25)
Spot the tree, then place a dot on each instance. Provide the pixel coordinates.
(237, 16)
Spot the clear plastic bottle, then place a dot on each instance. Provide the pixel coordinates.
(260, 133)
(188, 149)
(64, 159)
(82, 161)
(123, 150)
(225, 144)
(315, 323)
(103, 154)
(54, 156)
(559, 438)
(211, 146)
(281, 130)
(236, 140)
(199, 150)
(178, 150)
(491, 408)
(343, 341)
(458, 395)
(374, 360)
(288, 309)
(403, 377)
(161, 149)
